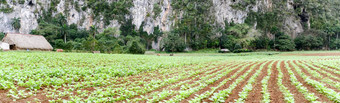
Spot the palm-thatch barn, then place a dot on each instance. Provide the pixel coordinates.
(27, 41)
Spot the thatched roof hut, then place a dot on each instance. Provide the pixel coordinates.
(27, 41)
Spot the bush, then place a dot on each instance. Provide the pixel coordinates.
(227, 42)
(2, 35)
(60, 44)
(261, 43)
(242, 50)
(335, 44)
(136, 48)
(308, 42)
(285, 43)
(237, 46)
(174, 43)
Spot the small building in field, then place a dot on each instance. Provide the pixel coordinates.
(27, 42)
(4, 46)
(224, 51)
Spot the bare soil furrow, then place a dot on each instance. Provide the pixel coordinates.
(309, 87)
(315, 78)
(226, 85)
(323, 72)
(255, 95)
(234, 95)
(327, 71)
(287, 83)
(211, 85)
(191, 79)
(276, 95)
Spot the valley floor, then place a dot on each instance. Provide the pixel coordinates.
(254, 77)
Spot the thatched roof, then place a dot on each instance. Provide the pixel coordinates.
(27, 41)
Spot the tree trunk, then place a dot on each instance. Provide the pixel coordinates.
(185, 38)
(65, 38)
(329, 42)
(337, 38)
(147, 45)
(274, 42)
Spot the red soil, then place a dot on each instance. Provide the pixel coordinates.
(225, 86)
(310, 88)
(312, 54)
(211, 85)
(293, 90)
(275, 94)
(234, 94)
(255, 95)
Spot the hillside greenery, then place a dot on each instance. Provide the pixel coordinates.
(194, 27)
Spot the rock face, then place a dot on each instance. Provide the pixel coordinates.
(141, 11)
(23, 11)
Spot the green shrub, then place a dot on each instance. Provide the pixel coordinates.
(308, 42)
(174, 43)
(2, 35)
(136, 48)
(237, 46)
(285, 43)
(60, 44)
(227, 42)
(335, 44)
(16, 23)
(242, 50)
(21, 1)
(261, 43)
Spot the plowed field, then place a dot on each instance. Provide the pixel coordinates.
(67, 77)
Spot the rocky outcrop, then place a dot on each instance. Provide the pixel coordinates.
(141, 11)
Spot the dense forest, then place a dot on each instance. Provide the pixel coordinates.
(194, 27)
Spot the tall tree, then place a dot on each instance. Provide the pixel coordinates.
(93, 32)
(64, 30)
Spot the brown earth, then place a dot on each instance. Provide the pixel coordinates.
(234, 94)
(225, 86)
(275, 94)
(287, 83)
(255, 95)
(317, 79)
(312, 54)
(310, 88)
(211, 85)
(192, 80)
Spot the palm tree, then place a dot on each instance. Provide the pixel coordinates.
(64, 30)
(16, 23)
(93, 31)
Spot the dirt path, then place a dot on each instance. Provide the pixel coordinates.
(276, 95)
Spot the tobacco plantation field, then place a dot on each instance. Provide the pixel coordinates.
(256, 77)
